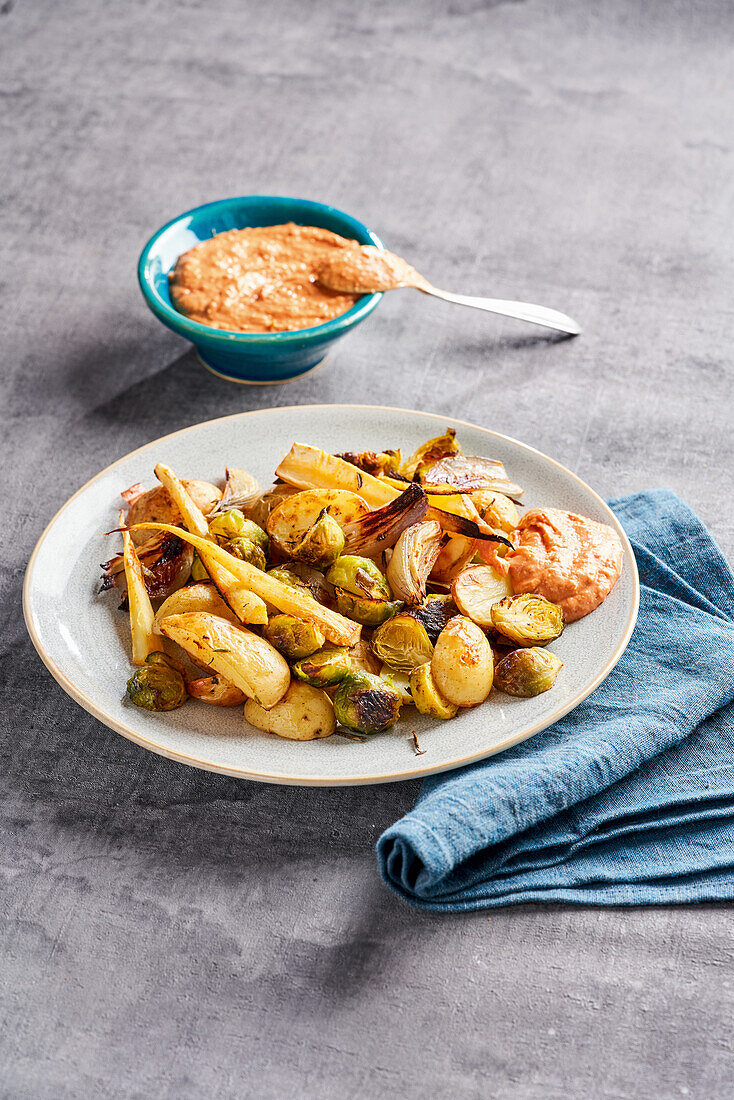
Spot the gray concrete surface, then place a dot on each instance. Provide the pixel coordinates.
(168, 933)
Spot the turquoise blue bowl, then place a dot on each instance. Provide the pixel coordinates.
(243, 356)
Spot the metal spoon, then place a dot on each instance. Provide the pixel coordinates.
(365, 269)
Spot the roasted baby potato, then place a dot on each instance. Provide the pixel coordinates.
(527, 672)
(462, 666)
(303, 714)
(528, 619)
(426, 696)
(217, 691)
(476, 590)
(241, 657)
(156, 506)
(195, 597)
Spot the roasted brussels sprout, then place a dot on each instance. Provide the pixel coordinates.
(426, 696)
(359, 576)
(365, 610)
(527, 619)
(247, 550)
(312, 578)
(322, 544)
(366, 704)
(232, 524)
(527, 672)
(323, 668)
(286, 574)
(434, 613)
(402, 643)
(293, 637)
(158, 684)
(361, 591)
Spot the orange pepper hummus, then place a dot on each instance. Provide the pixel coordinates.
(261, 279)
(573, 561)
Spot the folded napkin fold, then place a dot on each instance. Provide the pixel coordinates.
(629, 799)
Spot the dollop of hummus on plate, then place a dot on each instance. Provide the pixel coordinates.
(571, 560)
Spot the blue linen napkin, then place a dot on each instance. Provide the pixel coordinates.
(628, 800)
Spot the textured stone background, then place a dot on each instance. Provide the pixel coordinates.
(170, 933)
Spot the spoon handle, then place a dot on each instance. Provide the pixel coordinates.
(523, 311)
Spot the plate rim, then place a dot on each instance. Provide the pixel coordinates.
(111, 722)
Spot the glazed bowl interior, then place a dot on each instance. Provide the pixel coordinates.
(161, 253)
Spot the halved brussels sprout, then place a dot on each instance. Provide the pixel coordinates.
(402, 643)
(313, 579)
(158, 684)
(293, 637)
(365, 610)
(359, 576)
(323, 668)
(232, 524)
(527, 672)
(322, 544)
(477, 589)
(528, 619)
(426, 696)
(401, 682)
(286, 574)
(366, 704)
(247, 550)
(434, 613)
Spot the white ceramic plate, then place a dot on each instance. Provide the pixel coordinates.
(84, 641)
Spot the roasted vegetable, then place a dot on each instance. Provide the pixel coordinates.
(232, 524)
(292, 637)
(462, 664)
(326, 667)
(468, 474)
(426, 696)
(413, 559)
(142, 616)
(434, 613)
(157, 684)
(401, 682)
(361, 591)
(241, 657)
(248, 551)
(477, 589)
(497, 510)
(241, 490)
(430, 453)
(166, 562)
(308, 526)
(303, 714)
(216, 691)
(366, 704)
(157, 505)
(455, 554)
(261, 508)
(310, 468)
(195, 597)
(527, 672)
(360, 576)
(402, 643)
(527, 619)
(380, 529)
(247, 606)
(283, 597)
(198, 570)
(374, 462)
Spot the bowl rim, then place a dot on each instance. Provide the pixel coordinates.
(198, 332)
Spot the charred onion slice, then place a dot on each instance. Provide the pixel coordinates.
(469, 474)
(413, 559)
(458, 525)
(377, 530)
